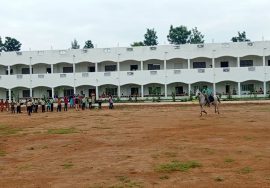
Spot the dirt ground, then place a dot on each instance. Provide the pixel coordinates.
(137, 146)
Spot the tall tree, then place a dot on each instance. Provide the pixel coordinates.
(1, 44)
(74, 44)
(137, 44)
(11, 44)
(240, 38)
(88, 44)
(150, 38)
(178, 35)
(195, 37)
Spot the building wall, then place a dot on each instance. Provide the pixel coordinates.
(125, 66)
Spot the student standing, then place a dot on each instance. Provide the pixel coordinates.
(59, 105)
(29, 107)
(66, 103)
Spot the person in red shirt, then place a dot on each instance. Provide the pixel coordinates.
(66, 103)
(2, 105)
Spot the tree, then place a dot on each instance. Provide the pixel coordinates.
(137, 44)
(150, 38)
(1, 45)
(195, 37)
(88, 44)
(240, 38)
(178, 35)
(75, 45)
(11, 44)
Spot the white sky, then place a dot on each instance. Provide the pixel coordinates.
(42, 24)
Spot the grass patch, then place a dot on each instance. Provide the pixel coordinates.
(246, 170)
(228, 160)
(62, 131)
(126, 182)
(5, 130)
(67, 165)
(219, 178)
(2, 153)
(177, 166)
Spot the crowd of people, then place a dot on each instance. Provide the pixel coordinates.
(56, 103)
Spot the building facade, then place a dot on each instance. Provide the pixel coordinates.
(236, 69)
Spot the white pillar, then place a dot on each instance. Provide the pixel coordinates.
(119, 91)
(142, 92)
(74, 89)
(264, 61)
(9, 94)
(166, 93)
(165, 64)
(238, 61)
(189, 89)
(96, 67)
(8, 70)
(188, 63)
(264, 88)
(52, 68)
(74, 68)
(141, 65)
(52, 92)
(118, 66)
(97, 95)
(214, 88)
(30, 81)
(213, 63)
(239, 89)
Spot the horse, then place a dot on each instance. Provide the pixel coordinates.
(203, 101)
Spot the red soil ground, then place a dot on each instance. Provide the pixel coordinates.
(127, 146)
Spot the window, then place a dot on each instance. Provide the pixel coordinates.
(268, 62)
(49, 70)
(91, 69)
(26, 93)
(134, 91)
(224, 64)
(153, 66)
(7, 94)
(154, 90)
(179, 90)
(68, 92)
(178, 65)
(109, 68)
(197, 65)
(11, 71)
(247, 87)
(26, 71)
(133, 67)
(67, 69)
(111, 91)
(246, 63)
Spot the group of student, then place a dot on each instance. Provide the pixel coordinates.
(47, 104)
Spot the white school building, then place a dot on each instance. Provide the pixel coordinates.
(226, 68)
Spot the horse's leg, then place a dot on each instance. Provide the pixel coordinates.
(202, 110)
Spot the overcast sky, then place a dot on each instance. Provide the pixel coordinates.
(46, 24)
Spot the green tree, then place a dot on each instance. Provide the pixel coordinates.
(178, 35)
(1, 45)
(150, 38)
(88, 44)
(11, 44)
(137, 44)
(74, 44)
(240, 38)
(195, 37)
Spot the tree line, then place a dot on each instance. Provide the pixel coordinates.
(177, 35)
